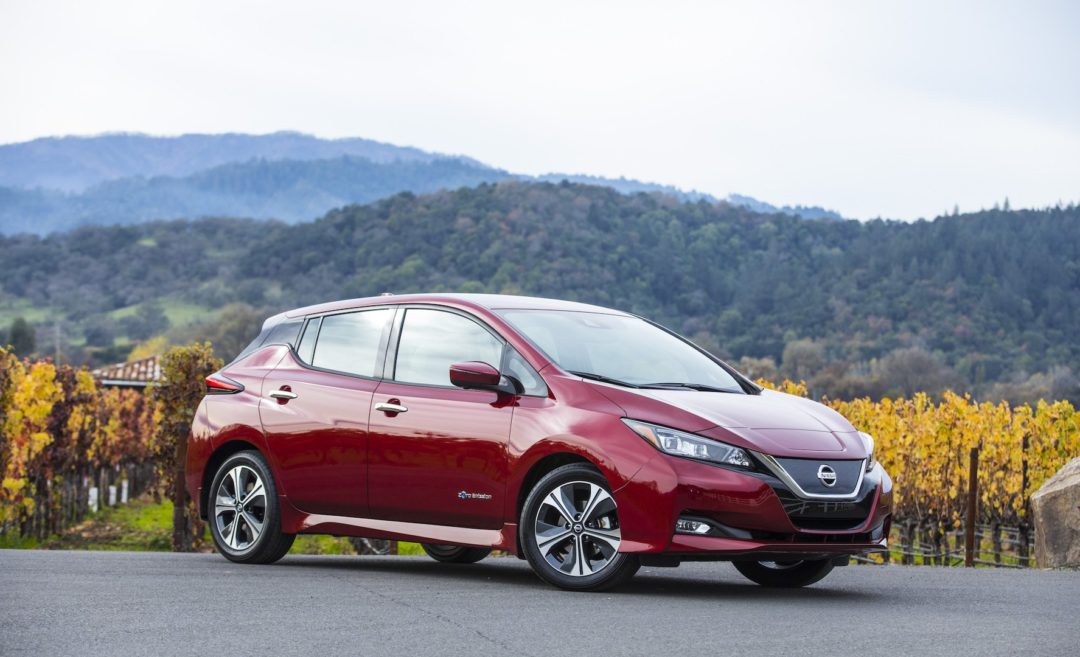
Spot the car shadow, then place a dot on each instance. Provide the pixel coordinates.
(652, 584)
(511, 571)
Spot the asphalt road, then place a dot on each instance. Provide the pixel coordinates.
(121, 604)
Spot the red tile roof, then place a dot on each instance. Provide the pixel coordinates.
(138, 373)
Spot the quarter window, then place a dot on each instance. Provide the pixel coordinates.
(433, 340)
(306, 348)
(516, 367)
(349, 342)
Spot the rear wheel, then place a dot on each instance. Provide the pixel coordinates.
(245, 520)
(455, 553)
(569, 531)
(785, 574)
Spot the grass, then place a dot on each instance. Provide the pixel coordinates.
(179, 313)
(22, 308)
(142, 526)
(317, 544)
(18, 543)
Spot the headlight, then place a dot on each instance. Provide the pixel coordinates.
(680, 443)
(868, 440)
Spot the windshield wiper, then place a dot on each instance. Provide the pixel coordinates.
(604, 379)
(704, 387)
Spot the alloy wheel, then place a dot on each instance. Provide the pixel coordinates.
(577, 529)
(240, 508)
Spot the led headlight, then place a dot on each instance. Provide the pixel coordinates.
(868, 440)
(680, 443)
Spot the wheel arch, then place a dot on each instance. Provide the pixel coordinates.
(534, 474)
(543, 466)
(214, 462)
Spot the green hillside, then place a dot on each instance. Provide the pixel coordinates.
(987, 302)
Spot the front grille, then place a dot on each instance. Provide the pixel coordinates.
(805, 472)
(826, 515)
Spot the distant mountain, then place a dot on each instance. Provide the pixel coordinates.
(56, 184)
(625, 186)
(289, 190)
(72, 164)
(806, 212)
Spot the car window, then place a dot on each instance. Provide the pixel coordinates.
(282, 333)
(620, 347)
(432, 340)
(349, 342)
(306, 349)
(530, 380)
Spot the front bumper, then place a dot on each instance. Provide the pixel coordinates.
(751, 514)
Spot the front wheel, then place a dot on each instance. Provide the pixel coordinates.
(245, 521)
(785, 574)
(569, 531)
(455, 553)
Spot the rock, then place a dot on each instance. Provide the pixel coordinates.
(1056, 511)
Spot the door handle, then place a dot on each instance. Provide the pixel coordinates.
(388, 407)
(283, 394)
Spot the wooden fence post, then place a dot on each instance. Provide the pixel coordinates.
(972, 508)
(1022, 538)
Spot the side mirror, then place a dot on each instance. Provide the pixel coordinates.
(475, 374)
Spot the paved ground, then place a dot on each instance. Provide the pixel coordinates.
(118, 604)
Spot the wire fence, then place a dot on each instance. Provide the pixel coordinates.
(995, 546)
(65, 501)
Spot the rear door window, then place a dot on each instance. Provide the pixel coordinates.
(350, 342)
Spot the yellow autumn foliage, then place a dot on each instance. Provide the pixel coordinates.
(56, 423)
(31, 395)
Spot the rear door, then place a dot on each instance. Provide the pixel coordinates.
(315, 410)
(440, 458)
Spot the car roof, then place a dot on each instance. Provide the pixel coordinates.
(487, 302)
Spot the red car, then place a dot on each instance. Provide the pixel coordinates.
(586, 440)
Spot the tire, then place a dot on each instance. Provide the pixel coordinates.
(785, 574)
(591, 530)
(455, 553)
(239, 535)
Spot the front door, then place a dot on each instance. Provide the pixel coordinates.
(315, 411)
(438, 452)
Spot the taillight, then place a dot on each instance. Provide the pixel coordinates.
(217, 384)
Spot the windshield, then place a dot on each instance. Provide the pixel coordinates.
(620, 349)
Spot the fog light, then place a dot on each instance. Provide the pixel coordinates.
(685, 526)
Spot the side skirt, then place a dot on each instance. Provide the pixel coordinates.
(294, 521)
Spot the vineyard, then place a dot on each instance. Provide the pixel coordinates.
(926, 447)
(68, 446)
(64, 439)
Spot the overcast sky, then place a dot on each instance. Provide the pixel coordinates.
(899, 109)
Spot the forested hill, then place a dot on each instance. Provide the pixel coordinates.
(979, 298)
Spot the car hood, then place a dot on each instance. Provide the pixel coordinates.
(769, 410)
(772, 422)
